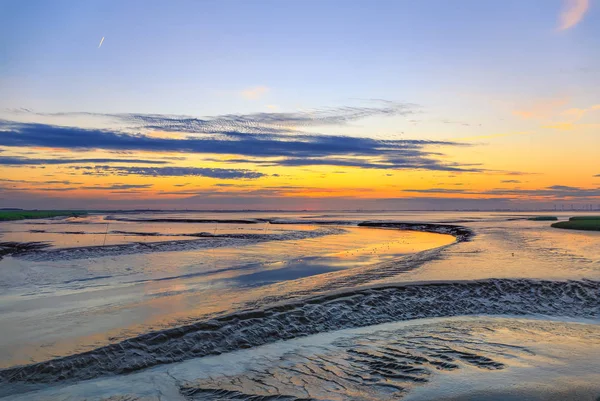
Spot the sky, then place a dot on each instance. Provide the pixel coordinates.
(300, 105)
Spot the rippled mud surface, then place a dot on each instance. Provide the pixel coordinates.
(86, 299)
(318, 315)
(390, 361)
(480, 358)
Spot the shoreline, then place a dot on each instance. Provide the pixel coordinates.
(39, 249)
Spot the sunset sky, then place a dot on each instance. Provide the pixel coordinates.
(429, 104)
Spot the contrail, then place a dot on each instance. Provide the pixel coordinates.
(101, 41)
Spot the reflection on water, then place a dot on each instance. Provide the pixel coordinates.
(97, 301)
(517, 249)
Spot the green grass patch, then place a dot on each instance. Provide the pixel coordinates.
(11, 215)
(543, 218)
(587, 225)
(577, 218)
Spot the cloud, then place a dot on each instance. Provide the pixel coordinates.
(565, 126)
(463, 123)
(58, 189)
(285, 149)
(569, 119)
(440, 191)
(572, 13)
(551, 192)
(256, 123)
(23, 161)
(119, 187)
(575, 114)
(66, 182)
(407, 160)
(541, 109)
(169, 172)
(518, 173)
(511, 181)
(132, 192)
(218, 191)
(220, 184)
(254, 93)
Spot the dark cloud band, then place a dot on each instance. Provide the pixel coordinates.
(291, 150)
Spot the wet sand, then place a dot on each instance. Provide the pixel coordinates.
(466, 358)
(363, 275)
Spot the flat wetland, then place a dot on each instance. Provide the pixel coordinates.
(156, 293)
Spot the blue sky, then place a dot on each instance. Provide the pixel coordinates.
(466, 68)
(187, 57)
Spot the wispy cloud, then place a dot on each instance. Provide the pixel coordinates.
(256, 123)
(218, 191)
(572, 13)
(452, 122)
(24, 161)
(511, 181)
(254, 93)
(170, 172)
(541, 109)
(65, 182)
(569, 120)
(118, 187)
(440, 191)
(35, 189)
(575, 114)
(551, 192)
(404, 160)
